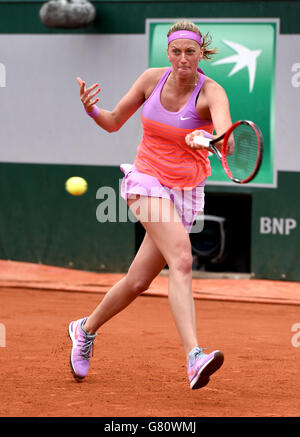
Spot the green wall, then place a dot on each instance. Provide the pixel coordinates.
(125, 16)
(274, 253)
(41, 223)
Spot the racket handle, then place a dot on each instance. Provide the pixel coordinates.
(202, 141)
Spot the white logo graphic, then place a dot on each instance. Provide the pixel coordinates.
(2, 335)
(243, 58)
(2, 76)
(185, 118)
(296, 77)
(296, 337)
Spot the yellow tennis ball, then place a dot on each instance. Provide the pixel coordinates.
(76, 186)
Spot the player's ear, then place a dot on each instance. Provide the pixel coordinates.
(201, 52)
(168, 53)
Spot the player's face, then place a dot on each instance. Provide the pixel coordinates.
(184, 55)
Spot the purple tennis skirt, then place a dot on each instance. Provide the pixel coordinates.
(188, 203)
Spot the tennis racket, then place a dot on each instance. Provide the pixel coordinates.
(241, 151)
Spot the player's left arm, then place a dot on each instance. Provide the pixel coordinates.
(214, 98)
(218, 105)
(219, 109)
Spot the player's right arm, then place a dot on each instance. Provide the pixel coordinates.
(112, 121)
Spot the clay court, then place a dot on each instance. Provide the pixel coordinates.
(138, 369)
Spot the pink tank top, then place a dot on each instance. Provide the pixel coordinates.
(163, 152)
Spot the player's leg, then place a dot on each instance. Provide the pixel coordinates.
(165, 228)
(146, 265)
(170, 237)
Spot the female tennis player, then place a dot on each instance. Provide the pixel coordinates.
(164, 188)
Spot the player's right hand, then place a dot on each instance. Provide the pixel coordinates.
(87, 95)
(189, 139)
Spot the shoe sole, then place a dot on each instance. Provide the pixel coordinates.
(78, 378)
(210, 367)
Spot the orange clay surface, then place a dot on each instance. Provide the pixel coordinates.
(139, 368)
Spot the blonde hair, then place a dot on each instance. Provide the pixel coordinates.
(206, 39)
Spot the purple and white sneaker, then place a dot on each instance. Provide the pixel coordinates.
(83, 344)
(200, 366)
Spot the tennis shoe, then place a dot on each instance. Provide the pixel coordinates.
(83, 346)
(200, 366)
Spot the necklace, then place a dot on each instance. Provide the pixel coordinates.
(196, 78)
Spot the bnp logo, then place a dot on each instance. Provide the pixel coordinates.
(244, 66)
(244, 58)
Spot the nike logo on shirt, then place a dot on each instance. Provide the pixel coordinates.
(185, 118)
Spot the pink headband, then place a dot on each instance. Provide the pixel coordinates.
(185, 34)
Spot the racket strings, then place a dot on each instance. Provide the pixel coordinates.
(242, 152)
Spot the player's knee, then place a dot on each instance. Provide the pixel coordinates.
(137, 285)
(183, 262)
